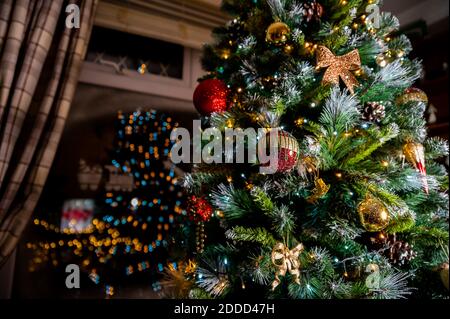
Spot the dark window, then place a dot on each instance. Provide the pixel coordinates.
(129, 51)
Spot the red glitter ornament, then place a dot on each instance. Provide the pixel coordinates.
(199, 209)
(211, 96)
(288, 151)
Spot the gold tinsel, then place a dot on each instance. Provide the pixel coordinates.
(373, 214)
(338, 67)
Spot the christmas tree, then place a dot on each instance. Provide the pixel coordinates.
(357, 206)
(133, 233)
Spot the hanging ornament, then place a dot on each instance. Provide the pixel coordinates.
(199, 209)
(211, 96)
(277, 33)
(443, 273)
(373, 214)
(288, 151)
(200, 237)
(312, 11)
(373, 112)
(415, 154)
(412, 95)
(338, 67)
(286, 261)
(399, 251)
(320, 190)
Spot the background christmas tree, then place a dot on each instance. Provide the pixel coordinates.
(358, 207)
(133, 235)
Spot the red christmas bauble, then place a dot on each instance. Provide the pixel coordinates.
(199, 209)
(211, 96)
(288, 151)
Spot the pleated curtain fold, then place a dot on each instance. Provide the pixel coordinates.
(40, 61)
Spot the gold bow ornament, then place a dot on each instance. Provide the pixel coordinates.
(286, 261)
(338, 67)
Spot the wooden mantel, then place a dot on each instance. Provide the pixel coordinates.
(185, 22)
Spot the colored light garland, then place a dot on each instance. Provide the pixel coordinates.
(134, 224)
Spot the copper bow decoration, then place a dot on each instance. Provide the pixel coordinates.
(286, 261)
(338, 66)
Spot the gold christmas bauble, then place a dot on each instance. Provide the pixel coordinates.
(277, 33)
(444, 274)
(412, 95)
(373, 214)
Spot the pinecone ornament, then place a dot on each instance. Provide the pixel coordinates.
(399, 251)
(373, 112)
(312, 11)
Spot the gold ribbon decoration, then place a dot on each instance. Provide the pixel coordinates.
(338, 67)
(286, 261)
(320, 190)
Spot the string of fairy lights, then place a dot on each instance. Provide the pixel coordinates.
(132, 230)
(105, 248)
(112, 239)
